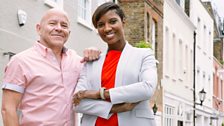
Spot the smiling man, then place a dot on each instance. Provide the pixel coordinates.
(39, 82)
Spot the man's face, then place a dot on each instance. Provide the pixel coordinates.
(54, 29)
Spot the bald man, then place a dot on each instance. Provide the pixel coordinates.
(39, 82)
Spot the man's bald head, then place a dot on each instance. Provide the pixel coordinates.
(54, 28)
(54, 11)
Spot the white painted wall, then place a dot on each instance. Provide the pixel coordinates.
(204, 59)
(178, 64)
(204, 50)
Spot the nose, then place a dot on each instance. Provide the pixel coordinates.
(107, 27)
(58, 27)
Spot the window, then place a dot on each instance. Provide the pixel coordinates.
(191, 64)
(84, 13)
(181, 3)
(154, 35)
(99, 2)
(169, 115)
(180, 58)
(187, 7)
(167, 51)
(204, 37)
(148, 27)
(198, 31)
(54, 3)
(178, 2)
(180, 123)
(174, 54)
(186, 64)
(198, 77)
(209, 42)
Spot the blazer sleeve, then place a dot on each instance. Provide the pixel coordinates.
(142, 90)
(89, 106)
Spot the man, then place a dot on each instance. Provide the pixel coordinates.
(39, 82)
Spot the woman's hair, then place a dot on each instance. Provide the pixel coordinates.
(104, 8)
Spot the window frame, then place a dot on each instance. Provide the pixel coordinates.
(84, 13)
(54, 3)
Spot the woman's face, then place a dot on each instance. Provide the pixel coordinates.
(111, 28)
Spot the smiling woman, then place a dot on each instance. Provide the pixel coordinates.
(115, 89)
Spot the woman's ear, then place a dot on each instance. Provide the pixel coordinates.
(123, 21)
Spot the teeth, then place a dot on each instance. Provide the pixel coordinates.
(110, 34)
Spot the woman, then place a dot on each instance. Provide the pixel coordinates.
(115, 90)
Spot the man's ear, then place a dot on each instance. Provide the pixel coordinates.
(69, 32)
(38, 28)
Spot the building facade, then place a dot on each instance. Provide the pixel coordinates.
(204, 60)
(178, 64)
(218, 94)
(144, 22)
(218, 72)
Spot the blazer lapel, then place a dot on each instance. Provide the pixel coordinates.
(98, 71)
(121, 65)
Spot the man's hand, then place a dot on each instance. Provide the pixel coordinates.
(90, 54)
(123, 107)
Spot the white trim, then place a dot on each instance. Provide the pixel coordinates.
(181, 13)
(176, 97)
(87, 14)
(53, 4)
(85, 23)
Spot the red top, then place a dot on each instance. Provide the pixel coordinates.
(107, 81)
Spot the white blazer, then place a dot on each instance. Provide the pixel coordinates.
(136, 79)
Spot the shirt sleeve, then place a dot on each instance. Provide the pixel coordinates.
(14, 76)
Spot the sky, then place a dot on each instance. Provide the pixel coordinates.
(219, 4)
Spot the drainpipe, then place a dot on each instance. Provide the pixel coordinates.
(194, 80)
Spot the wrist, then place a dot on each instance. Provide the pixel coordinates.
(106, 94)
(98, 95)
(102, 93)
(85, 94)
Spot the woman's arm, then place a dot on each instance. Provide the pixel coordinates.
(91, 94)
(140, 91)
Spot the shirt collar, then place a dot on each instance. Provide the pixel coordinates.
(44, 51)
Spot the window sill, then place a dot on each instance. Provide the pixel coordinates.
(53, 4)
(85, 24)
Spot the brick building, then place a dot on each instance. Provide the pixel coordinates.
(144, 22)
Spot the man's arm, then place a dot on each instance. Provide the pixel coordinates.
(10, 102)
(90, 54)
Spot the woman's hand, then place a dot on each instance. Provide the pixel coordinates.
(78, 97)
(123, 107)
(90, 94)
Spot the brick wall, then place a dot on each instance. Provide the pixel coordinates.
(134, 26)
